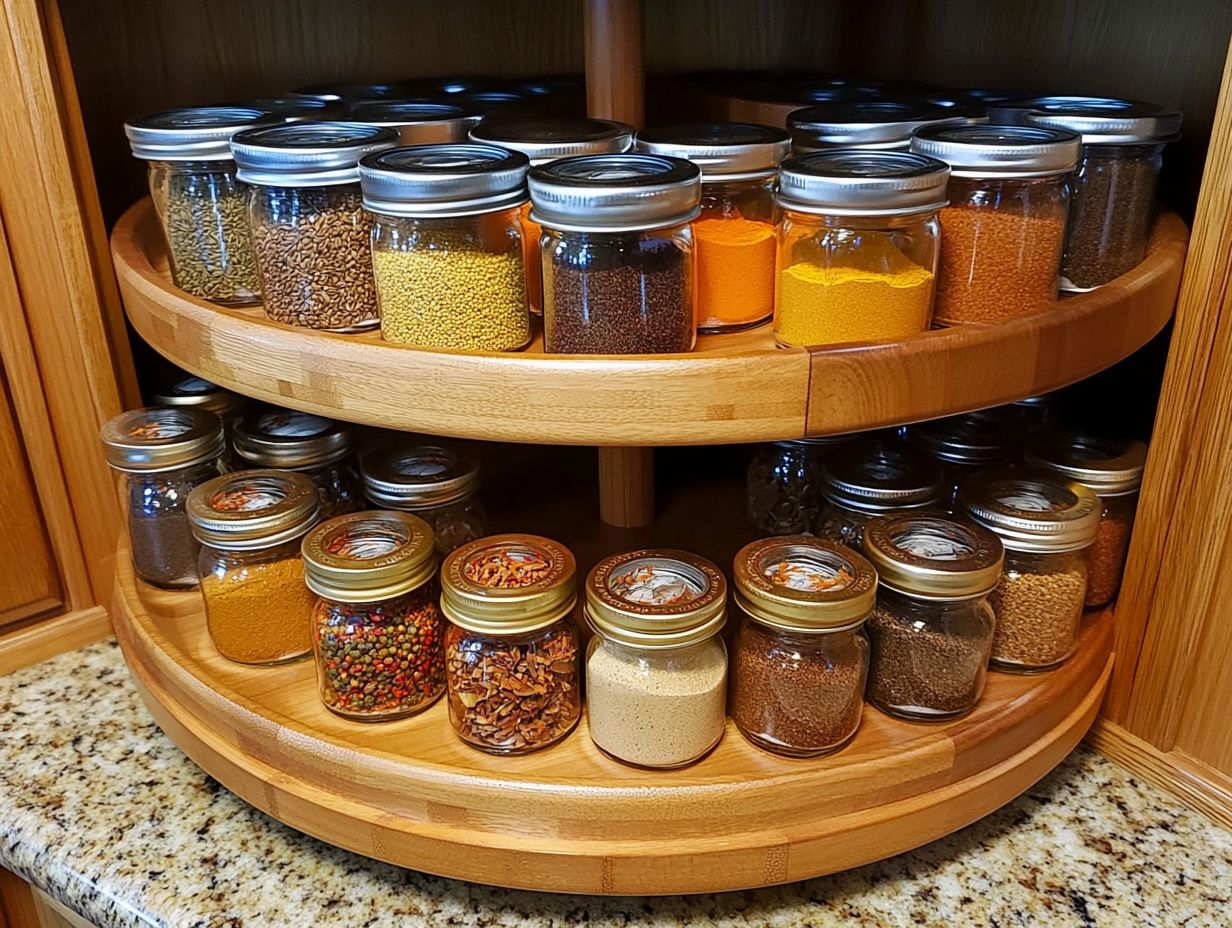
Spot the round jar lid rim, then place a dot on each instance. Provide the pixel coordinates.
(447, 473)
(196, 391)
(471, 602)
(622, 592)
(874, 475)
(863, 182)
(449, 179)
(159, 438)
(1000, 151)
(252, 509)
(1110, 122)
(1032, 510)
(544, 140)
(1108, 466)
(193, 133)
(369, 556)
(803, 583)
(933, 556)
(289, 439)
(862, 123)
(983, 437)
(615, 193)
(309, 153)
(721, 150)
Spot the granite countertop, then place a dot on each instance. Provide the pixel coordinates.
(100, 810)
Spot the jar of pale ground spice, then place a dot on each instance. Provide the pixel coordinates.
(309, 228)
(932, 629)
(967, 444)
(873, 477)
(869, 125)
(1046, 524)
(783, 484)
(1002, 234)
(1112, 468)
(447, 245)
(801, 658)
(656, 669)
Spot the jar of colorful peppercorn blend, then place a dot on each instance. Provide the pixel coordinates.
(377, 632)
(931, 631)
(864, 124)
(309, 228)
(857, 248)
(656, 668)
(250, 524)
(801, 656)
(1004, 230)
(784, 484)
(617, 253)
(511, 650)
(416, 122)
(967, 444)
(870, 478)
(447, 245)
(1046, 524)
(1113, 470)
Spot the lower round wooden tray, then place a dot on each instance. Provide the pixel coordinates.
(569, 819)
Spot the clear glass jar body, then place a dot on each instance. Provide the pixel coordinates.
(512, 694)
(1001, 247)
(380, 660)
(929, 657)
(1106, 556)
(955, 472)
(203, 210)
(656, 707)
(852, 279)
(795, 693)
(452, 282)
(454, 524)
(734, 238)
(257, 608)
(532, 259)
(1038, 605)
(1110, 219)
(339, 487)
(784, 487)
(618, 292)
(846, 525)
(164, 549)
(314, 252)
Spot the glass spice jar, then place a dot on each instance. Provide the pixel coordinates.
(617, 253)
(801, 656)
(870, 478)
(250, 525)
(200, 203)
(377, 631)
(511, 652)
(931, 631)
(1046, 524)
(783, 486)
(188, 390)
(436, 480)
(1112, 469)
(163, 453)
(310, 231)
(863, 124)
(417, 123)
(966, 444)
(656, 668)
(320, 448)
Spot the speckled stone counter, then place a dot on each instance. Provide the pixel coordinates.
(100, 810)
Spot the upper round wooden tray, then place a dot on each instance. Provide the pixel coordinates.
(733, 388)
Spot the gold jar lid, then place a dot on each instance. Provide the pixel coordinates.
(1109, 466)
(508, 584)
(253, 509)
(930, 557)
(289, 439)
(800, 583)
(1032, 510)
(158, 438)
(366, 557)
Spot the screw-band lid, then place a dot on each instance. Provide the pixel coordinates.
(157, 438)
(195, 133)
(417, 122)
(722, 150)
(420, 476)
(342, 93)
(508, 584)
(874, 475)
(193, 391)
(934, 558)
(307, 154)
(1119, 122)
(856, 182)
(1000, 151)
(443, 180)
(1109, 466)
(369, 556)
(252, 509)
(615, 193)
(983, 437)
(1011, 109)
(1032, 510)
(800, 583)
(289, 439)
(291, 109)
(545, 140)
(867, 124)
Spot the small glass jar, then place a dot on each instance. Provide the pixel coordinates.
(617, 253)
(932, 629)
(1046, 524)
(321, 449)
(858, 246)
(870, 478)
(801, 656)
(966, 444)
(250, 525)
(447, 246)
(202, 206)
(511, 652)
(417, 123)
(863, 124)
(163, 453)
(784, 484)
(437, 481)
(656, 668)
(377, 631)
(188, 390)
(1112, 469)
(310, 231)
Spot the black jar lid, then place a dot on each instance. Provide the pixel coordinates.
(417, 122)
(869, 124)
(195, 133)
(877, 475)
(307, 154)
(987, 436)
(615, 193)
(443, 180)
(291, 109)
(544, 140)
(723, 150)
(1000, 151)
(420, 476)
(286, 438)
(487, 101)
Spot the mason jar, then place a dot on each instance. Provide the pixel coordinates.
(1046, 524)
(857, 247)
(162, 453)
(783, 484)
(617, 253)
(188, 390)
(511, 650)
(931, 632)
(801, 655)
(656, 668)
(447, 245)
(966, 444)
(416, 122)
(377, 632)
(870, 478)
(251, 524)
(869, 125)
(201, 205)
(310, 231)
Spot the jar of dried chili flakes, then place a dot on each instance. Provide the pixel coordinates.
(511, 654)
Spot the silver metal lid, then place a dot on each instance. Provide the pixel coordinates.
(1032, 510)
(252, 509)
(334, 93)
(1110, 467)
(288, 439)
(547, 140)
(291, 109)
(422, 476)
(862, 124)
(418, 123)
(193, 391)
(443, 180)
(854, 182)
(615, 193)
(1011, 109)
(1118, 122)
(1000, 151)
(485, 101)
(369, 556)
(880, 476)
(157, 438)
(723, 150)
(984, 437)
(197, 133)
(931, 557)
(307, 154)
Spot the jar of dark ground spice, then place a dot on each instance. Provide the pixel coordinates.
(874, 477)
(163, 453)
(377, 631)
(967, 444)
(784, 484)
(932, 629)
(801, 656)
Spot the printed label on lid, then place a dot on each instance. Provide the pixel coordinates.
(168, 426)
